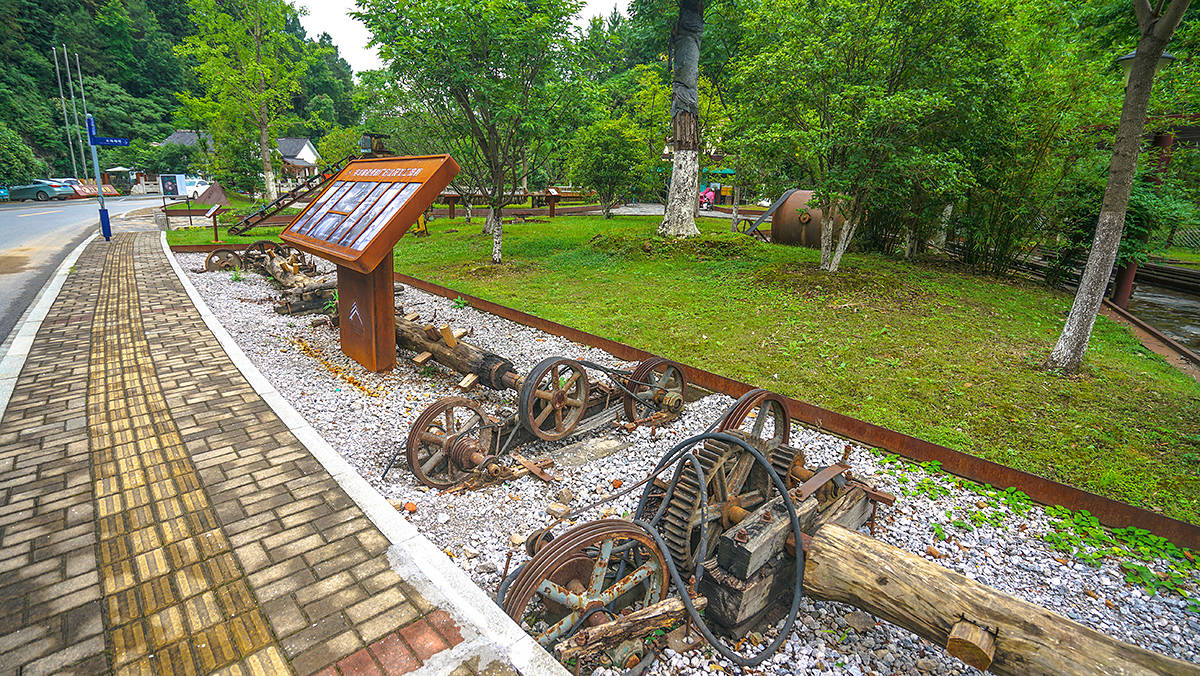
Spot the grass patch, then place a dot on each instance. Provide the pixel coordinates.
(204, 235)
(1180, 256)
(926, 350)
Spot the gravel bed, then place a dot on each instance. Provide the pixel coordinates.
(366, 417)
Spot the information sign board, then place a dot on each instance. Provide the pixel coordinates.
(212, 211)
(172, 185)
(355, 222)
(368, 207)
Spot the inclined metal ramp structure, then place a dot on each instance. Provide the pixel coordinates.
(306, 187)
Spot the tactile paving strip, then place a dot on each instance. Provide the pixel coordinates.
(175, 598)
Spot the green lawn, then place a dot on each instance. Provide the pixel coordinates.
(923, 349)
(203, 235)
(1181, 256)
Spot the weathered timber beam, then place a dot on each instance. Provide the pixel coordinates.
(635, 625)
(493, 370)
(929, 600)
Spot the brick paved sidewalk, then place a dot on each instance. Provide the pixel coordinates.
(157, 516)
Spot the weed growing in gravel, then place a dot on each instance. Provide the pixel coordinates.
(331, 304)
(236, 275)
(460, 302)
(1080, 535)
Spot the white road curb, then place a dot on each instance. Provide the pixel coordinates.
(412, 554)
(24, 332)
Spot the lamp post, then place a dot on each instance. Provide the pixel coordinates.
(1126, 63)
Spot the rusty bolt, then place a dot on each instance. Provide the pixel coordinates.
(768, 516)
(580, 639)
(741, 536)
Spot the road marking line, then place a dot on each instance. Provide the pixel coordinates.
(39, 213)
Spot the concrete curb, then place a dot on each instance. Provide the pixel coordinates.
(26, 329)
(412, 555)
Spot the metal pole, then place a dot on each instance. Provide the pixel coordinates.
(79, 72)
(71, 89)
(105, 229)
(66, 124)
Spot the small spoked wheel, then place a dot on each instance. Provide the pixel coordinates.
(658, 386)
(446, 426)
(586, 576)
(554, 398)
(222, 259)
(762, 415)
(258, 252)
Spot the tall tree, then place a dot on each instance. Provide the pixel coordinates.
(248, 65)
(1156, 25)
(679, 217)
(490, 73)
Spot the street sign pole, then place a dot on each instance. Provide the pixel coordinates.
(93, 141)
(105, 228)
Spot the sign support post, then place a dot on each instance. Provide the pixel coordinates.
(93, 141)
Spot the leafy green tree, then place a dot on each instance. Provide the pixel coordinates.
(604, 157)
(491, 74)
(338, 143)
(18, 166)
(1156, 26)
(249, 67)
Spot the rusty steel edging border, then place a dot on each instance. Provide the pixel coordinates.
(1110, 512)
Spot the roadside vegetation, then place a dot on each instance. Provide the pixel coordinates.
(927, 349)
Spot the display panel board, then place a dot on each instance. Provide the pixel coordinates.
(368, 207)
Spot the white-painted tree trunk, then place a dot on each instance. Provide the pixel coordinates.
(264, 149)
(496, 225)
(467, 207)
(679, 220)
(828, 213)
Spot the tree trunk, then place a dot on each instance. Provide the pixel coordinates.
(467, 208)
(737, 198)
(495, 225)
(264, 149)
(829, 212)
(679, 219)
(1077, 332)
(931, 601)
(847, 234)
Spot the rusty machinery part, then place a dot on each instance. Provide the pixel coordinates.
(258, 252)
(221, 260)
(734, 486)
(553, 398)
(448, 441)
(587, 575)
(764, 415)
(656, 385)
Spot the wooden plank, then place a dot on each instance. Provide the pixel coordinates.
(468, 381)
(412, 316)
(422, 358)
(448, 336)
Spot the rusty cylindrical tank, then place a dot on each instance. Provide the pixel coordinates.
(795, 223)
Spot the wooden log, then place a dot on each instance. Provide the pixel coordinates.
(930, 600)
(972, 644)
(284, 272)
(493, 370)
(635, 625)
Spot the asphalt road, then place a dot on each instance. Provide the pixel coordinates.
(36, 236)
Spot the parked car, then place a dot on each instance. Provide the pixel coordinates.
(3, 193)
(195, 186)
(69, 181)
(40, 190)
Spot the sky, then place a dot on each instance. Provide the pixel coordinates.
(351, 37)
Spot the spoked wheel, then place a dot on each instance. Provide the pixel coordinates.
(258, 252)
(222, 259)
(443, 438)
(600, 567)
(554, 398)
(658, 386)
(733, 480)
(763, 415)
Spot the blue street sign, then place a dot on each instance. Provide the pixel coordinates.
(108, 141)
(91, 124)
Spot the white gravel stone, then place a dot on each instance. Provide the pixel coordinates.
(366, 417)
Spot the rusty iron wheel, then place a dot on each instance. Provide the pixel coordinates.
(763, 415)
(434, 435)
(609, 563)
(222, 260)
(257, 253)
(553, 398)
(658, 385)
